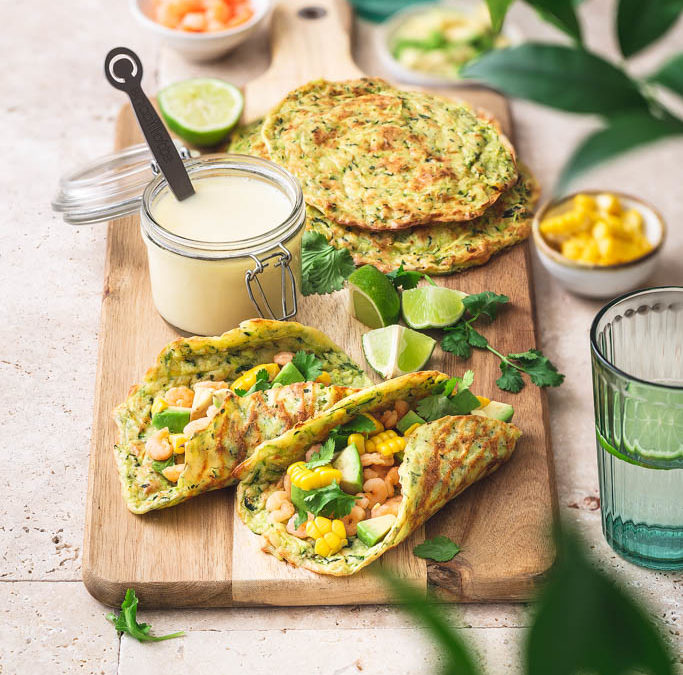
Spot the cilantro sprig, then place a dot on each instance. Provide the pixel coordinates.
(452, 397)
(126, 622)
(329, 501)
(323, 456)
(262, 384)
(323, 267)
(308, 364)
(406, 279)
(441, 549)
(462, 337)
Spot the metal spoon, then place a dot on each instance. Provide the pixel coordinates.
(124, 71)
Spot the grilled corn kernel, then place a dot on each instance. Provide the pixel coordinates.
(312, 479)
(247, 380)
(178, 443)
(324, 378)
(386, 443)
(411, 428)
(329, 535)
(159, 405)
(379, 427)
(483, 401)
(359, 441)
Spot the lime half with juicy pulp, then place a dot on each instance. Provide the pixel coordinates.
(203, 110)
(432, 306)
(396, 350)
(373, 300)
(653, 430)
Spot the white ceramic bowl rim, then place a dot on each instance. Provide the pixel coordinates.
(260, 10)
(557, 257)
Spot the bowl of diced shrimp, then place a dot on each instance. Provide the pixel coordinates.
(201, 30)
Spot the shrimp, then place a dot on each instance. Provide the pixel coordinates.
(194, 427)
(391, 506)
(401, 407)
(211, 412)
(312, 450)
(210, 384)
(172, 473)
(283, 358)
(298, 531)
(179, 396)
(375, 472)
(374, 459)
(389, 418)
(376, 491)
(391, 480)
(351, 521)
(279, 506)
(158, 447)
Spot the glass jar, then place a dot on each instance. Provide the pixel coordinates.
(200, 287)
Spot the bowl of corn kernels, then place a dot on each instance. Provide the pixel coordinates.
(599, 244)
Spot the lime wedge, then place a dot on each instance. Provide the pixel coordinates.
(203, 110)
(396, 350)
(432, 306)
(373, 300)
(654, 430)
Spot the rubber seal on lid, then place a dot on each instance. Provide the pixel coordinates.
(108, 188)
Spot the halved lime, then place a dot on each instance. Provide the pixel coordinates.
(654, 430)
(203, 110)
(432, 306)
(396, 350)
(373, 300)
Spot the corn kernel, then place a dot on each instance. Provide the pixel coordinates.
(329, 535)
(608, 203)
(412, 428)
(247, 380)
(379, 427)
(178, 443)
(584, 202)
(359, 441)
(324, 378)
(159, 405)
(296, 465)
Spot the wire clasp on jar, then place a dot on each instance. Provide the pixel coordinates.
(284, 257)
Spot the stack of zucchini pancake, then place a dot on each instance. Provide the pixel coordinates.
(398, 176)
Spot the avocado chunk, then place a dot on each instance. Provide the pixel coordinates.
(176, 419)
(497, 411)
(288, 375)
(407, 421)
(351, 469)
(298, 498)
(375, 529)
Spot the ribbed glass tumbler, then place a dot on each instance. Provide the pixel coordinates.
(637, 355)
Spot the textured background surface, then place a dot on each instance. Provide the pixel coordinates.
(57, 112)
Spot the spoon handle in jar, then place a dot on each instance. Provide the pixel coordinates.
(123, 69)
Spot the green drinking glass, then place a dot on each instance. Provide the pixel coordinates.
(637, 355)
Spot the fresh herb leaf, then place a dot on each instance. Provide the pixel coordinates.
(323, 267)
(476, 339)
(126, 622)
(406, 279)
(487, 303)
(467, 380)
(511, 379)
(262, 384)
(308, 364)
(456, 340)
(452, 398)
(330, 501)
(539, 368)
(441, 549)
(323, 456)
(160, 466)
(359, 424)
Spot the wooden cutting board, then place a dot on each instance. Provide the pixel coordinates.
(199, 554)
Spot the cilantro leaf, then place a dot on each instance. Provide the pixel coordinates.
(126, 622)
(456, 341)
(477, 339)
(452, 398)
(262, 384)
(486, 303)
(406, 280)
(309, 365)
(330, 501)
(441, 549)
(160, 466)
(359, 424)
(323, 456)
(323, 267)
(539, 368)
(434, 407)
(511, 379)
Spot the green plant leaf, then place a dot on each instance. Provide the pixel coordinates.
(457, 657)
(126, 622)
(670, 75)
(641, 22)
(561, 14)
(568, 78)
(497, 11)
(584, 623)
(323, 456)
(308, 364)
(441, 549)
(623, 133)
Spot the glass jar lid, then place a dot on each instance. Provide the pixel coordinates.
(108, 188)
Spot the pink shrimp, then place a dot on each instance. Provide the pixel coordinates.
(391, 506)
(375, 472)
(375, 459)
(376, 491)
(391, 480)
(351, 521)
(283, 358)
(389, 418)
(297, 531)
(179, 396)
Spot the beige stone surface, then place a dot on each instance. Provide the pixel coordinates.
(57, 111)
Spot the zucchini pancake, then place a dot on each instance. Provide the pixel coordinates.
(208, 402)
(375, 157)
(440, 248)
(341, 489)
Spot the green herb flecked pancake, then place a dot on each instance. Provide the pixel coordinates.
(440, 248)
(440, 460)
(389, 159)
(241, 423)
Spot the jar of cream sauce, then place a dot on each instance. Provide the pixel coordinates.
(228, 253)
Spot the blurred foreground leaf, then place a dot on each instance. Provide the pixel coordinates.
(670, 75)
(641, 22)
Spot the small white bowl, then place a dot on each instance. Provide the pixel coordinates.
(201, 46)
(384, 37)
(600, 281)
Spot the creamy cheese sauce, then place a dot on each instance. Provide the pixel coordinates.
(224, 208)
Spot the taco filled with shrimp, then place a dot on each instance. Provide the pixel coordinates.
(335, 493)
(209, 401)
